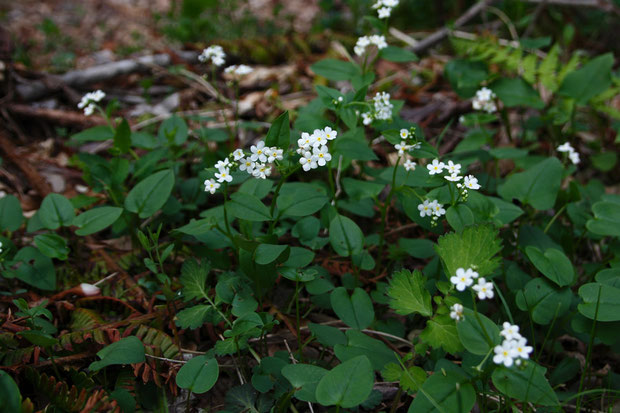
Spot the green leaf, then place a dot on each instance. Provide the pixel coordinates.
(590, 80)
(553, 263)
(441, 331)
(34, 268)
(127, 350)
(445, 392)
(198, 375)
(326, 335)
(333, 69)
(304, 378)
(248, 207)
(353, 149)
(410, 380)
(38, 338)
(359, 344)
(475, 246)
(173, 130)
(359, 189)
(52, 245)
(606, 219)
(195, 317)
(300, 199)
(346, 385)
(465, 76)
(94, 134)
(478, 334)
(606, 296)
(408, 294)
(267, 253)
(517, 92)
(459, 216)
(150, 194)
(543, 300)
(279, 133)
(122, 137)
(194, 278)
(345, 236)
(538, 186)
(96, 219)
(355, 311)
(11, 214)
(526, 384)
(10, 399)
(56, 211)
(396, 54)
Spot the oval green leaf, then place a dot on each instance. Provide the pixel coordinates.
(346, 385)
(96, 219)
(198, 375)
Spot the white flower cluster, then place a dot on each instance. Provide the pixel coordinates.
(573, 155)
(258, 164)
(465, 278)
(431, 208)
(213, 53)
(313, 148)
(484, 100)
(0, 247)
(513, 349)
(382, 109)
(89, 101)
(238, 70)
(403, 148)
(454, 169)
(384, 7)
(365, 41)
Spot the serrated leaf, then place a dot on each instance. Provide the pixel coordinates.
(408, 294)
(194, 278)
(441, 332)
(195, 317)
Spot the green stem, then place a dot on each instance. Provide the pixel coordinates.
(504, 303)
(589, 353)
(297, 319)
(484, 330)
(384, 209)
(557, 214)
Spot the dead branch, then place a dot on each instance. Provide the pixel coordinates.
(58, 117)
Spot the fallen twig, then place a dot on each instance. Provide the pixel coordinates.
(58, 117)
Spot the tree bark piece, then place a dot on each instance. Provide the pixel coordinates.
(58, 117)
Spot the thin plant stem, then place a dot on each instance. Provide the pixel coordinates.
(557, 214)
(589, 353)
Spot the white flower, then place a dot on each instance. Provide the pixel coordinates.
(484, 289)
(471, 273)
(305, 142)
(453, 178)
(320, 138)
(247, 165)
(425, 209)
(503, 354)
(435, 167)
(365, 41)
(438, 209)
(456, 312)
(402, 147)
(574, 157)
(383, 107)
(211, 186)
(308, 161)
(329, 133)
(224, 175)
(89, 289)
(238, 70)
(566, 147)
(461, 280)
(262, 171)
(510, 332)
(321, 155)
(520, 348)
(258, 152)
(409, 165)
(379, 41)
(274, 154)
(367, 118)
(404, 133)
(90, 109)
(238, 154)
(223, 164)
(214, 53)
(384, 12)
(453, 168)
(90, 98)
(484, 100)
(471, 182)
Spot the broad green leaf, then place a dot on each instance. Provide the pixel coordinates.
(94, 134)
(345, 236)
(52, 245)
(56, 211)
(268, 253)
(304, 378)
(465, 76)
(34, 268)
(478, 334)
(257, 187)
(553, 264)
(359, 344)
(333, 69)
(127, 350)
(150, 194)
(327, 335)
(194, 278)
(445, 392)
(517, 92)
(606, 219)
(538, 186)
(279, 133)
(476, 246)
(10, 399)
(195, 317)
(248, 207)
(356, 311)
(11, 214)
(173, 130)
(359, 189)
(396, 54)
(353, 149)
(346, 385)
(441, 331)
(38, 338)
(198, 375)
(408, 294)
(299, 199)
(298, 275)
(418, 248)
(605, 296)
(122, 137)
(96, 219)
(590, 80)
(459, 216)
(526, 384)
(543, 300)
